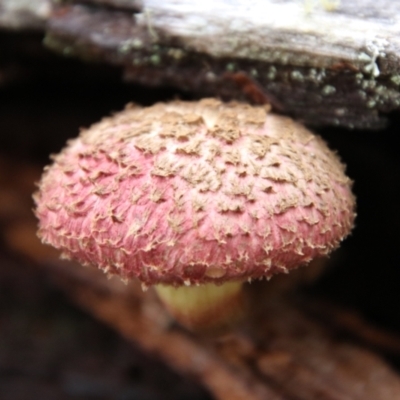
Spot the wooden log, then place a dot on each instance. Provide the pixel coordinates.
(324, 62)
(329, 63)
(22, 14)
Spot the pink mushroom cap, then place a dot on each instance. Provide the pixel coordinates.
(195, 192)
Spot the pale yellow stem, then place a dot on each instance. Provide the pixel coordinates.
(207, 307)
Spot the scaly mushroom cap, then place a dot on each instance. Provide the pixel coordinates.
(195, 192)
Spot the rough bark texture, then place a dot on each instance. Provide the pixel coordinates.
(325, 67)
(322, 62)
(24, 14)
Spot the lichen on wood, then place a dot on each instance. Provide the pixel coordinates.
(325, 67)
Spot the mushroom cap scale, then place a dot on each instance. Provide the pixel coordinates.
(195, 192)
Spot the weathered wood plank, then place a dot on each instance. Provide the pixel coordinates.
(363, 33)
(338, 67)
(24, 14)
(322, 61)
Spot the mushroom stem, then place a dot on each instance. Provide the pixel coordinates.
(204, 308)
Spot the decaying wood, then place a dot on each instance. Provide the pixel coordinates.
(324, 65)
(352, 325)
(24, 14)
(322, 61)
(282, 355)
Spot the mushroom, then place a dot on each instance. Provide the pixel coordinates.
(195, 198)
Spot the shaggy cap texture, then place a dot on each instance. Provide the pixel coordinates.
(195, 192)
